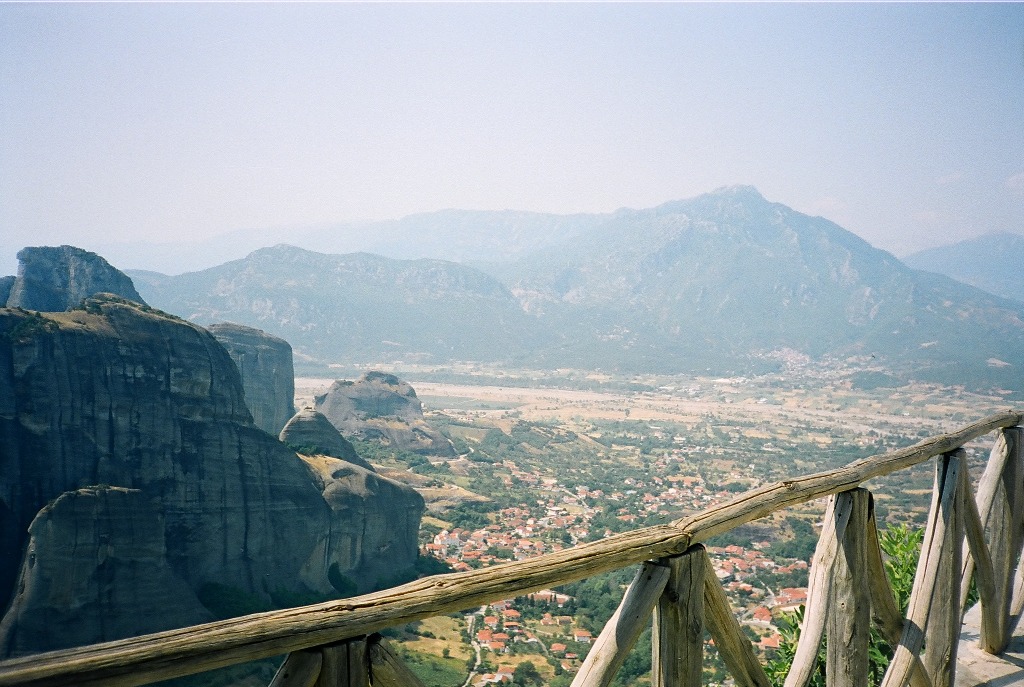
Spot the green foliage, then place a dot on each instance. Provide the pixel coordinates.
(801, 546)
(434, 670)
(428, 565)
(902, 546)
(342, 584)
(421, 567)
(779, 664)
(225, 601)
(526, 674)
(470, 515)
(31, 326)
(637, 663)
(293, 598)
(308, 450)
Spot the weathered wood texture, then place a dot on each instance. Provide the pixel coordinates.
(884, 610)
(944, 618)
(977, 563)
(928, 567)
(999, 505)
(386, 668)
(819, 591)
(345, 664)
(677, 638)
(849, 622)
(300, 669)
(733, 646)
(624, 627)
(142, 660)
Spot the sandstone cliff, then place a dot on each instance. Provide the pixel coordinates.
(105, 539)
(119, 394)
(268, 378)
(6, 284)
(311, 433)
(375, 523)
(381, 407)
(53, 279)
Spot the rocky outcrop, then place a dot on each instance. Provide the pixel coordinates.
(119, 394)
(381, 407)
(373, 526)
(54, 279)
(310, 433)
(268, 378)
(96, 567)
(6, 284)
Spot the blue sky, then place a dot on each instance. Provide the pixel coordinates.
(129, 123)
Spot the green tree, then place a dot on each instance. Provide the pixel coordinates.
(526, 674)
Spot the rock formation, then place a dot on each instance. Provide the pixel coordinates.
(118, 394)
(54, 279)
(107, 537)
(373, 529)
(6, 284)
(381, 407)
(268, 378)
(310, 433)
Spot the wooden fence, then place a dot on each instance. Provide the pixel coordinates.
(968, 536)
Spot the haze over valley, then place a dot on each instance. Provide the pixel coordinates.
(724, 283)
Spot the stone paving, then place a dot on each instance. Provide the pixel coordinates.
(975, 668)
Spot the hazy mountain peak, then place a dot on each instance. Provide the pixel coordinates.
(739, 192)
(716, 281)
(990, 262)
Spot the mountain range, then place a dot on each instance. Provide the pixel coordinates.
(720, 282)
(991, 262)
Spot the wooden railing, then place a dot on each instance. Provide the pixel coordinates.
(334, 644)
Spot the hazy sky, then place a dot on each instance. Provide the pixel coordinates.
(156, 122)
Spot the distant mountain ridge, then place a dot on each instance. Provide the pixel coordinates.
(716, 282)
(355, 307)
(467, 236)
(992, 262)
(718, 276)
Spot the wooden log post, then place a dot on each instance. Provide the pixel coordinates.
(1014, 438)
(1000, 505)
(345, 664)
(386, 668)
(934, 555)
(300, 669)
(849, 624)
(977, 560)
(677, 643)
(624, 627)
(944, 619)
(819, 586)
(733, 646)
(884, 610)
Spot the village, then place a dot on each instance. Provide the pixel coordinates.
(541, 470)
(546, 622)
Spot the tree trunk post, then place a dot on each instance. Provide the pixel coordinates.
(849, 623)
(345, 664)
(624, 627)
(386, 668)
(1000, 504)
(943, 626)
(677, 644)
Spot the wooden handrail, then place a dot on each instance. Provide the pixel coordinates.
(174, 653)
